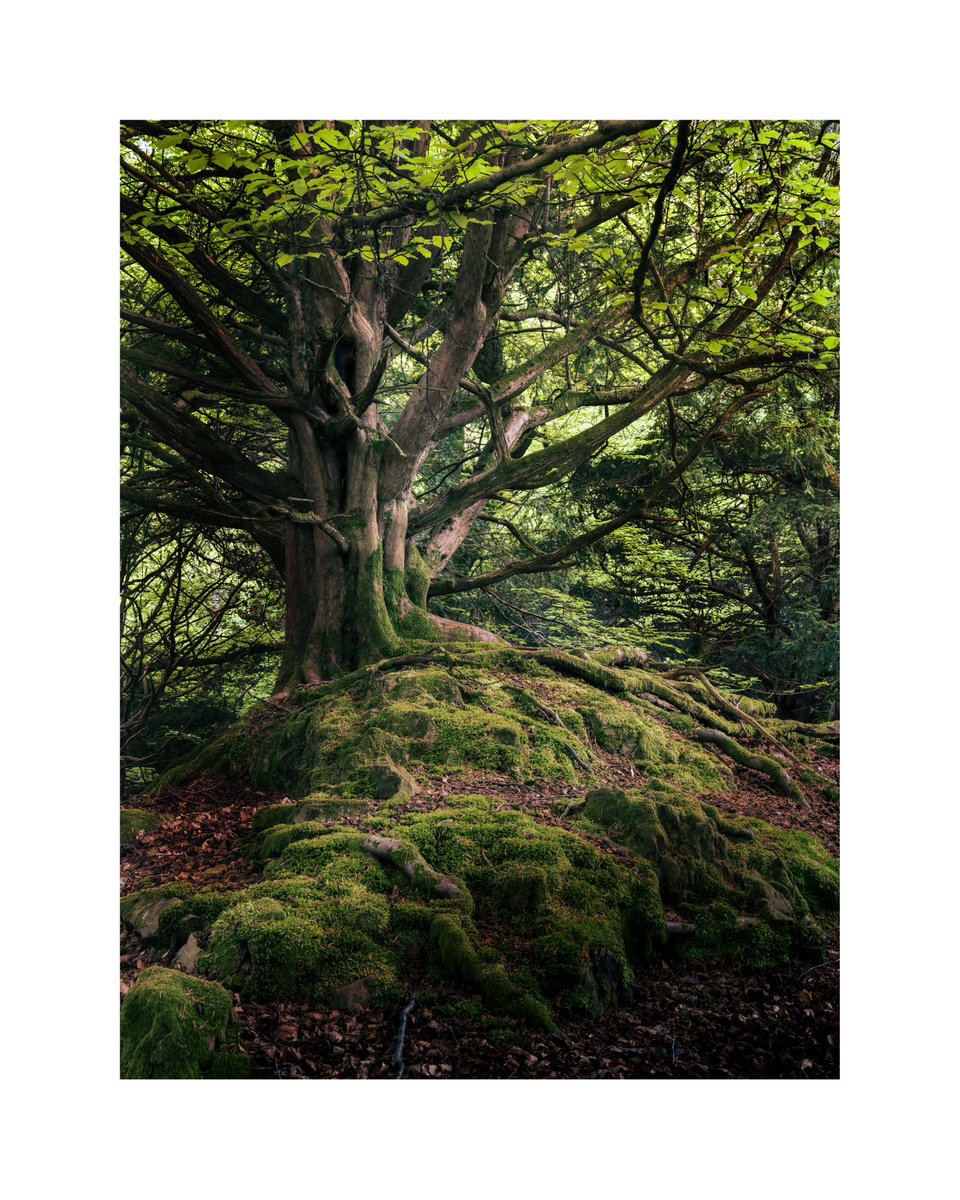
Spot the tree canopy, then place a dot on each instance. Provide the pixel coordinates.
(402, 373)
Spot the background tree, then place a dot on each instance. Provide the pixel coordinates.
(199, 621)
(351, 345)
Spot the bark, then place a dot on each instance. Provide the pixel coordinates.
(356, 586)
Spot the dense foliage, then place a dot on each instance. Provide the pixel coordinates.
(575, 381)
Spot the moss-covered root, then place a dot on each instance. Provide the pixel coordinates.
(174, 1026)
(756, 762)
(583, 668)
(454, 951)
(416, 868)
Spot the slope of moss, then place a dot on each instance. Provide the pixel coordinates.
(536, 921)
(490, 708)
(749, 891)
(531, 921)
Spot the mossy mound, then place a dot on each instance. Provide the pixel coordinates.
(137, 820)
(385, 730)
(364, 898)
(536, 921)
(174, 1026)
(750, 891)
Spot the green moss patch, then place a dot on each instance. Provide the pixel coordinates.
(532, 919)
(137, 820)
(750, 891)
(380, 733)
(174, 1026)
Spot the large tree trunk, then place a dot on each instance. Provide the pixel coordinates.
(356, 585)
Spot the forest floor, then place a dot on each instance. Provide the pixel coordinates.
(708, 1022)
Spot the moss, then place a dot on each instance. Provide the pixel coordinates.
(296, 940)
(317, 855)
(460, 716)
(276, 839)
(316, 807)
(371, 611)
(195, 914)
(721, 934)
(418, 577)
(770, 880)
(175, 1026)
(540, 882)
(639, 681)
(137, 820)
(523, 888)
(681, 722)
(215, 756)
(587, 669)
(809, 864)
(142, 910)
(749, 704)
(757, 762)
(388, 780)
(538, 921)
(430, 683)
(455, 952)
(614, 726)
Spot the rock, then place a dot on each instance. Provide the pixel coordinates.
(187, 955)
(389, 781)
(360, 991)
(144, 916)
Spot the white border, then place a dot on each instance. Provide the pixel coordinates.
(75, 73)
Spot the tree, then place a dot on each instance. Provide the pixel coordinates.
(197, 626)
(349, 341)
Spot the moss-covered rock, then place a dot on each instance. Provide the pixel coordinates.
(175, 1026)
(142, 910)
(387, 780)
(731, 876)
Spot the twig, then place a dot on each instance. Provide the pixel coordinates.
(397, 1059)
(829, 963)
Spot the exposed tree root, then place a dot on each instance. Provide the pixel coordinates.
(647, 684)
(756, 762)
(582, 668)
(746, 718)
(822, 733)
(412, 864)
(665, 692)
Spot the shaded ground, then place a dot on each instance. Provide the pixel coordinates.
(681, 1023)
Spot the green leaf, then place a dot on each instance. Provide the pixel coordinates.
(283, 259)
(831, 343)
